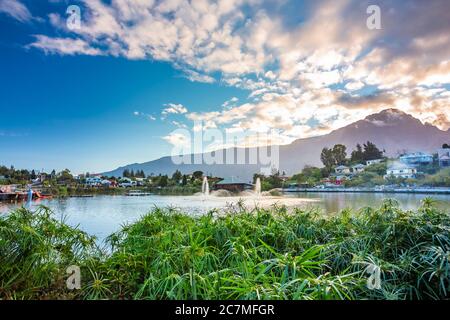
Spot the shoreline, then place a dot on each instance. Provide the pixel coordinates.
(444, 191)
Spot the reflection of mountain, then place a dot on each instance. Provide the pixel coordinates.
(392, 130)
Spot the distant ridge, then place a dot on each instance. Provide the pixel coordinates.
(392, 130)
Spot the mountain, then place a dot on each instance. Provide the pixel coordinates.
(392, 130)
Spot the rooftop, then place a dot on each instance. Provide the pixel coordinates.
(233, 180)
(416, 154)
(399, 166)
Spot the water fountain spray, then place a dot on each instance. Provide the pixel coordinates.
(205, 186)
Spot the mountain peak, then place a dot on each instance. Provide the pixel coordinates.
(389, 117)
(392, 130)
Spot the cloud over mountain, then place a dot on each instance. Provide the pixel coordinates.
(391, 130)
(307, 72)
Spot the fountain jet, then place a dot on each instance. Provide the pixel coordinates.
(258, 187)
(205, 186)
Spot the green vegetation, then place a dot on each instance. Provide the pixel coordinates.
(273, 181)
(259, 254)
(372, 176)
(310, 176)
(35, 249)
(64, 184)
(439, 179)
(338, 155)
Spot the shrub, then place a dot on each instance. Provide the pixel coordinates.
(259, 254)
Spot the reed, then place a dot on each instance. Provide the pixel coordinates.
(244, 254)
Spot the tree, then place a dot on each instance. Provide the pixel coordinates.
(357, 154)
(371, 151)
(184, 182)
(177, 176)
(445, 146)
(327, 158)
(125, 174)
(310, 175)
(140, 174)
(256, 176)
(163, 181)
(64, 176)
(198, 174)
(339, 154)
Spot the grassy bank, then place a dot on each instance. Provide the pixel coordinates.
(259, 254)
(74, 191)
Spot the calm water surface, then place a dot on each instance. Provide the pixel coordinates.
(102, 215)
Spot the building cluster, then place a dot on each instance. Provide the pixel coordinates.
(97, 180)
(343, 173)
(406, 166)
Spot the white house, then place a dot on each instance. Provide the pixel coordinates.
(358, 168)
(444, 157)
(106, 183)
(417, 159)
(340, 170)
(94, 181)
(401, 171)
(375, 161)
(140, 182)
(127, 183)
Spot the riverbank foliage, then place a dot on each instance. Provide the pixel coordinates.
(243, 254)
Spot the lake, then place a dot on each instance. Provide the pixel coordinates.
(102, 215)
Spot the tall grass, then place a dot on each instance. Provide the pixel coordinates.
(35, 250)
(245, 254)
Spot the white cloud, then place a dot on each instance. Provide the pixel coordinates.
(15, 9)
(144, 115)
(64, 46)
(354, 85)
(288, 71)
(179, 124)
(230, 103)
(178, 139)
(174, 109)
(194, 76)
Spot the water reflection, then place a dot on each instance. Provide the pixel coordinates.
(102, 215)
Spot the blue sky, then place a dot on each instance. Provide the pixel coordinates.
(114, 91)
(78, 111)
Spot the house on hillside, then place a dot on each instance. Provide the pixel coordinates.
(94, 181)
(375, 161)
(127, 183)
(140, 182)
(233, 185)
(416, 159)
(358, 168)
(342, 170)
(401, 171)
(106, 183)
(444, 157)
